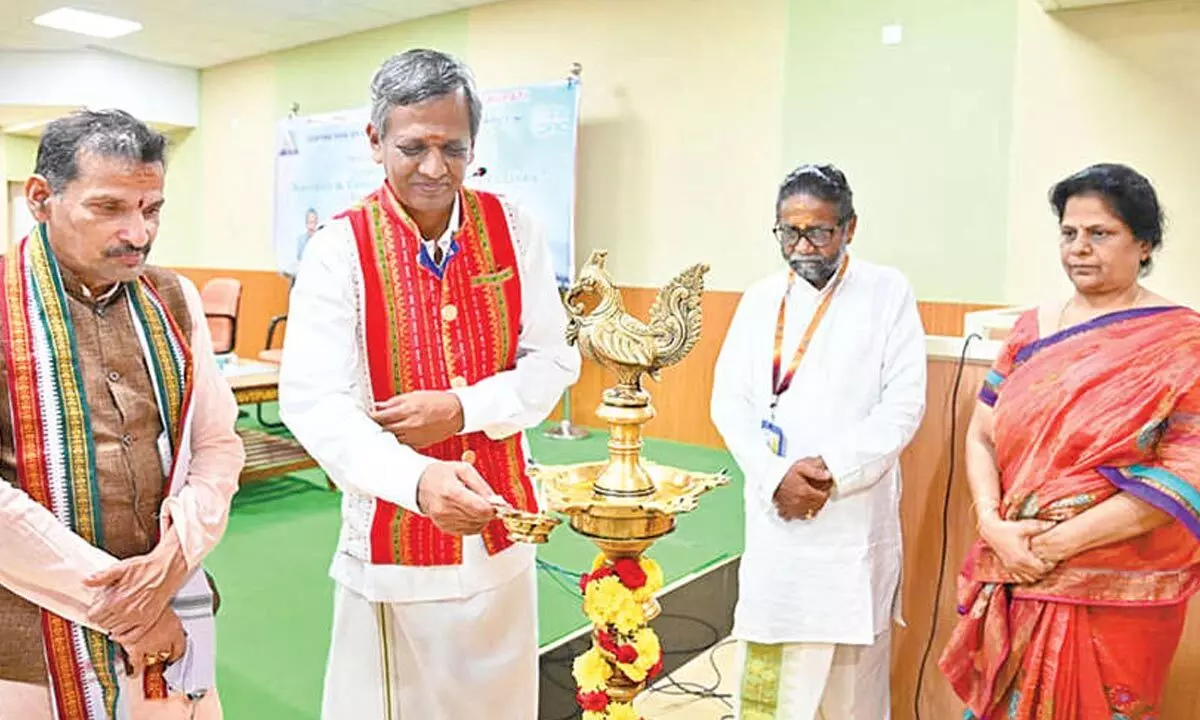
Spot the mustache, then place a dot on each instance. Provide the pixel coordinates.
(125, 250)
(814, 260)
(814, 267)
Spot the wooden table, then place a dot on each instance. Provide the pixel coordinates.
(267, 455)
(254, 388)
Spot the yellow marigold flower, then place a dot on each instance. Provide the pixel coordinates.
(649, 651)
(648, 647)
(654, 575)
(591, 671)
(589, 715)
(635, 672)
(622, 711)
(628, 616)
(605, 600)
(599, 562)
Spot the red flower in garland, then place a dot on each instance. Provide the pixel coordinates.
(630, 572)
(655, 669)
(606, 642)
(598, 575)
(595, 701)
(627, 654)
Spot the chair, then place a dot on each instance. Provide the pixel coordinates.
(271, 355)
(222, 299)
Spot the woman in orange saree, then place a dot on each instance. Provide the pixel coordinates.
(1084, 463)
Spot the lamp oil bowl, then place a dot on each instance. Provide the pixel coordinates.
(526, 527)
(626, 519)
(625, 503)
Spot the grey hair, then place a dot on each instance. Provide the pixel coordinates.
(823, 182)
(414, 76)
(109, 133)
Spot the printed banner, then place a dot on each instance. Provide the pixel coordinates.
(526, 151)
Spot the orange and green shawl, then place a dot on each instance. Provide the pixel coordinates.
(1109, 406)
(55, 456)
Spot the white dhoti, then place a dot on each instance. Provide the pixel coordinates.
(456, 659)
(814, 681)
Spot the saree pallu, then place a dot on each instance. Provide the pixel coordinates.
(1108, 406)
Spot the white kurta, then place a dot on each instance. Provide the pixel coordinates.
(325, 394)
(856, 402)
(407, 640)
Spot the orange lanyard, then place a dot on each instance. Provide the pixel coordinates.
(781, 385)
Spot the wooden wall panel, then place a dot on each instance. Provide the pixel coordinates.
(1181, 700)
(946, 318)
(681, 399)
(926, 464)
(264, 295)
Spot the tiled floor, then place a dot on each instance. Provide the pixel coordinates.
(711, 669)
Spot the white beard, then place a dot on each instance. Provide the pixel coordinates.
(815, 269)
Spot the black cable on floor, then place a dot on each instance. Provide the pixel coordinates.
(686, 688)
(568, 581)
(674, 687)
(937, 597)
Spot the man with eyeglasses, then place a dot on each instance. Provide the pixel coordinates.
(817, 427)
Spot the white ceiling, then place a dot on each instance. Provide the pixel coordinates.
(203, 33)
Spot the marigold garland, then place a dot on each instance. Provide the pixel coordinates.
(614, 598)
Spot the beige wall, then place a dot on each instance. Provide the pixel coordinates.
(679, 138)
(5, 211)
(221, 179)
(219, 175)
(236, 157)
(17, 156)
(20, 154)
(680, 128)
(1112, 84)
(692, 111)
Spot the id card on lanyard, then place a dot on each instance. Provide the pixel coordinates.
(772, 433)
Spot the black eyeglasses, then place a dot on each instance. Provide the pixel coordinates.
(818, 236)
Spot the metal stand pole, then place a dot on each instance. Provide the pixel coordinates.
(566, 430)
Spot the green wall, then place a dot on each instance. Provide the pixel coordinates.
(20, 155)
(182, 230)
(922, 130)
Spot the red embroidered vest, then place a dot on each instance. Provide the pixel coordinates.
(432, 329)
